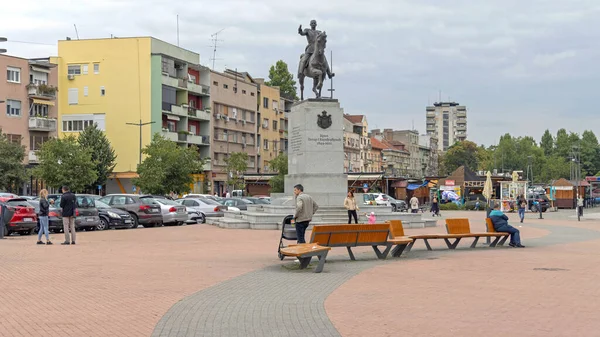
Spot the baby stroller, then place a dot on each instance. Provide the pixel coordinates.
(288, 232)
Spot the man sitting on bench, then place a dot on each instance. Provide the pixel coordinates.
(500, 221)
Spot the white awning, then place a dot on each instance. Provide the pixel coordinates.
(173, 118)
(41, 70)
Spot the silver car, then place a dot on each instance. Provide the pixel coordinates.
(206, 207)
(172, 212)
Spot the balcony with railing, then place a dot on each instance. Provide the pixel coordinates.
(198, 140)
(43, 91)
(175, 109)
(203, 115)
(42, 124)
(33, 158)
(198, 88)
(181, 83)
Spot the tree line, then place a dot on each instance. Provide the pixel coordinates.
(551, 158)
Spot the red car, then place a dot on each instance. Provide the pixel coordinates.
(24, 221)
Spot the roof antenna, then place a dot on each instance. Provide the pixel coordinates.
(177, 30)
(76, 33)
(215, 39)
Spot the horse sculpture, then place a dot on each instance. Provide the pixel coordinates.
(316, 67)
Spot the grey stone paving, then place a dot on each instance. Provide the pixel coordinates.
(283, 301)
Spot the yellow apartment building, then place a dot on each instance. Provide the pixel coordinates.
(116, 82)
(269, 130)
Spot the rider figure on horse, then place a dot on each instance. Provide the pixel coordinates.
(311, 35)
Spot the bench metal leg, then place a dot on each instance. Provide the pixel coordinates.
(474, 244)
(410, 245)
(427, 244)
(304, 261)
(501, 243)
(495, 242)
(452, 245)
(385, 253)
(321, 264)
(397, 251)
(351, 254)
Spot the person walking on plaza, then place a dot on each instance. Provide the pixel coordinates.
(435, 207)
(68, 203)
(306, 207)
(350, 205)
(580, 205)
(43, 217)
(500, 221)
(414, 205)
(522, 204)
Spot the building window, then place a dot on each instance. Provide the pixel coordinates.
(265, 103)
(14, 138)
(85, 91)
(77, 123)
(13, 75)
(85, 69)
(96, 68)
(266, 144)
(252, 94)
(225, 86)
(266, 123)
(73, 96)
(274, 125)
(225, 135)
(13, 108)
(243, 115)
(39, 110)
(216, 83)
(275, 105)
(243, 91)
(234, 113)
(102, 91)
(74, 69)
(171, 126)
(36, 142)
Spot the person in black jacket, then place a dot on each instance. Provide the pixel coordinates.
(68, 203)
(43, 217)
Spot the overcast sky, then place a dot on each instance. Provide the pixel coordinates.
(518, 66)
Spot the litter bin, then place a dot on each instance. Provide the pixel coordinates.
(5, 217)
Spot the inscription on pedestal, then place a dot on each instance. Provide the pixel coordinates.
(296, 140)
(323, 140)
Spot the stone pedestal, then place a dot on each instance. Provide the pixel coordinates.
(316, 151)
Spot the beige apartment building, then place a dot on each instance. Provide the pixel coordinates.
(272, 125)
(28, 92)
(357, 143)
(447, 121)
(233, 103)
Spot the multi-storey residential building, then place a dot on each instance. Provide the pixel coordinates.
(352, 136)
(447, 121)
(410, 141)
(357, 126)
(234, 96)
(375, 161)
(272, 124)
(428, 145)
(395, 158)
(286, 105)
(28, 89)
(115, 82)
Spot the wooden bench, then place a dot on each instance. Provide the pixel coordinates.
(397, 237)
(461, 228)
(305, 252)
(397, 230)
(353, 236)
(491, 229)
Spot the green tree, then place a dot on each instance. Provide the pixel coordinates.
(65, 162)
(280, 165)
(103, 155)
(167, 167)
(547, 143)
(12, 170)
(461, 153)
(280, 76)
(554, 167)
(590, 153)
(237, 164)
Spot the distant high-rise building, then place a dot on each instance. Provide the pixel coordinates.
(447, 121)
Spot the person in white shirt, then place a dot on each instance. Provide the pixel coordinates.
(414, 205)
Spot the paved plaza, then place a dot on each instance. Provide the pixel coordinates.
(204, 281)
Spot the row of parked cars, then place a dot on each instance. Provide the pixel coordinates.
(96, 212)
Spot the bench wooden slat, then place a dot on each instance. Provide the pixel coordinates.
(299, 250)
(352, 236)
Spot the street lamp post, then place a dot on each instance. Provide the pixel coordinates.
(140, 125)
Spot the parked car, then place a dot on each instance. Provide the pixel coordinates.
(144, 210)
(5, 196)
(27, 197)
(238, 203)
(111, 217)
(24, 221)
(535, 199)
(257, 201)
(86, 213)
(378, 199)
(397, 205)
(206, 207)
(194, 216)
(55, 223)
(173, 213)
